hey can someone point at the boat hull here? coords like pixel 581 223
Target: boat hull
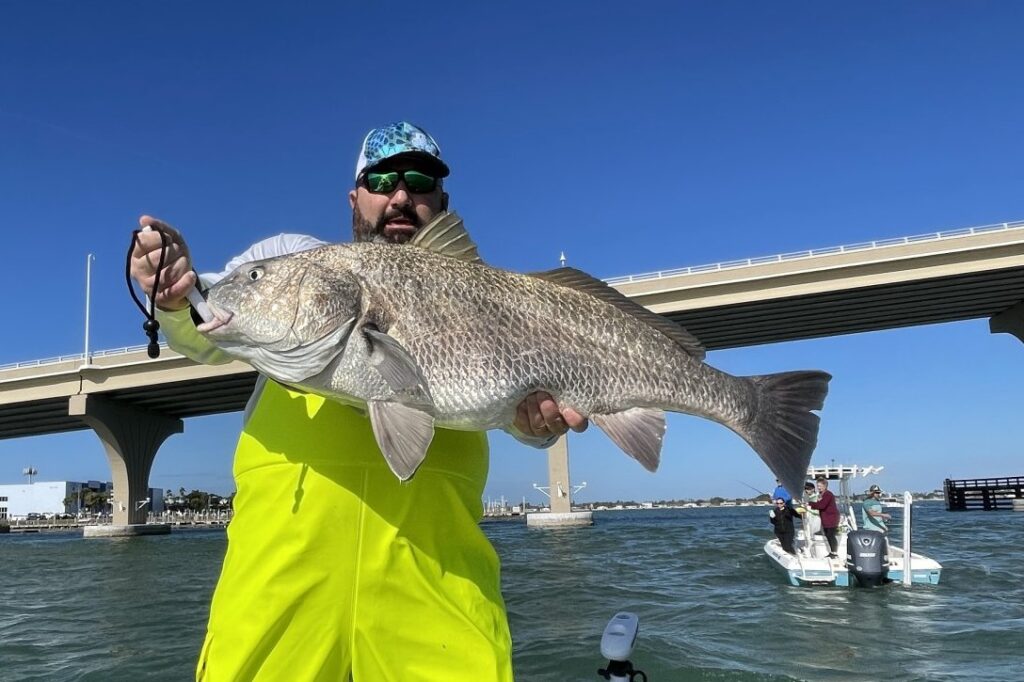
pixel 818 570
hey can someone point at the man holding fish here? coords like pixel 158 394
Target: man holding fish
pixel 335 567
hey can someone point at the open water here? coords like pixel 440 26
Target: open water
pixel 710 606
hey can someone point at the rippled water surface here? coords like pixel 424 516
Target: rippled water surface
pixel 710 606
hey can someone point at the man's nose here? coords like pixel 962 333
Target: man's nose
pixel 400 196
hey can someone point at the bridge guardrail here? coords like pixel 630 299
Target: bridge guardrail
pixel 77 356
pixel 825 251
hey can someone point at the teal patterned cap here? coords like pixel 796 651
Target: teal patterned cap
pixel 397 139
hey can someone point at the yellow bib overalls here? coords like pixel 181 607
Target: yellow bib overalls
pixel 336 570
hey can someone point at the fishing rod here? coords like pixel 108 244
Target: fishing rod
pixel 753 488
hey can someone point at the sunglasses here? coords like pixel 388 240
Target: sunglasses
pixel 386 183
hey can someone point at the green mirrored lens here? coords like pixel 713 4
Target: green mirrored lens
pixel 418 182
pixel 382 182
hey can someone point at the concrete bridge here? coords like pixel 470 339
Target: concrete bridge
pixel 134 403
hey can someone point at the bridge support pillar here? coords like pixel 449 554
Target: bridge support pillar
pixel 1010 321
pixel 131 437
pixel 558 477
pixel 560 492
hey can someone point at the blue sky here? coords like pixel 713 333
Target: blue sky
pixel 635 137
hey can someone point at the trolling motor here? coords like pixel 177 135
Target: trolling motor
pixel 617 644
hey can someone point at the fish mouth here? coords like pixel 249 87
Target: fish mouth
pixel 220 319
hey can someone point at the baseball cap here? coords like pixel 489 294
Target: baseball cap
pixel 399 139
pixel 874 489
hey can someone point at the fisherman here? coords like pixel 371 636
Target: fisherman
pixel 782 516
pixel 826 504
pixel 872 516
pixel 335 569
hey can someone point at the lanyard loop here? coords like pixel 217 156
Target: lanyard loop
pixel 150 326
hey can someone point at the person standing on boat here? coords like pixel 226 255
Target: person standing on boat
pixel 872 516
pixel 782 516
pixel 781 492
pixel 826 504
pixel 812 517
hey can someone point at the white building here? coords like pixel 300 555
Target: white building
pixel 41 497
pixel 47 497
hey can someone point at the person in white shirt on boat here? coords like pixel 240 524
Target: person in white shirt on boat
pixel 812 517
pixel 872 516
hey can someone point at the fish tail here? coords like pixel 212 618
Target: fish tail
pixel 784 429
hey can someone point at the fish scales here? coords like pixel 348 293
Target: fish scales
pixel 486 338
pixel 424 334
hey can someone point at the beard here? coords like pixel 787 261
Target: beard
pixel 365 230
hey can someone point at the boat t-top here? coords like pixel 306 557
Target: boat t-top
pixel 863 557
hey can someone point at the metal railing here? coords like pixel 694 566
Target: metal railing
pixel 811 253
pixel 77 356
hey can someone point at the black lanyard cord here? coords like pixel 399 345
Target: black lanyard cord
pixel 150 326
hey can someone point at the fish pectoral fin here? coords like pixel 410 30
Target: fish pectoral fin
pixel 403 435
pixel 637 431
pixel 399 370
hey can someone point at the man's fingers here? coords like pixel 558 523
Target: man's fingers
pixel 175 287
pixel 539 415
pixel 575 420
pixel 175 296
pixel 553 422
pixel 537 424
pixel 527 416
pixel 522 422
pixel 151 222
pixel 173 273
pixel 149 242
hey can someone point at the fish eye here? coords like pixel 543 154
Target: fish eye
pixel 255 274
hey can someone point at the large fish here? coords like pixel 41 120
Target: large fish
pixel 424 334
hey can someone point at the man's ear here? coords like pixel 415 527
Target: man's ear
pixel 444 201
pixel 352 199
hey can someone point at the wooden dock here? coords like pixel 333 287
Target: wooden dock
pixel 985 494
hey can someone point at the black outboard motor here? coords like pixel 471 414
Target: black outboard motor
pixel 867 557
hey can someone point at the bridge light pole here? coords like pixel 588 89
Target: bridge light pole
pixel 86 358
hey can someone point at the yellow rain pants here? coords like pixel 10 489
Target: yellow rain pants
pixel 336 570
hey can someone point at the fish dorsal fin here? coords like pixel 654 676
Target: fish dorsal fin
pixel 446 234
pixel 581 281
